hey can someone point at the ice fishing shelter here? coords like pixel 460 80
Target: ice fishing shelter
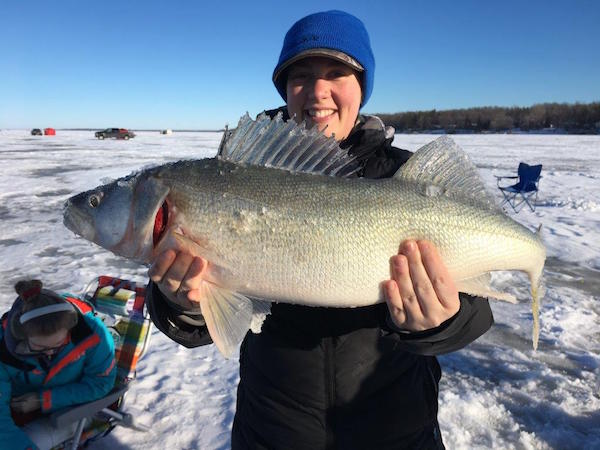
pixel 49 132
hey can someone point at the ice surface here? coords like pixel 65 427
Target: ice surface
pixel 496 393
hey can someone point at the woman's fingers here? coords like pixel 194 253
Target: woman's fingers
pixel 194 278
pixel 420 287
pixel 421 294
pixel 179 276
pixel 161 265
pixel 394 302
pixel 401 275
pixel 440 278
pixel 174 277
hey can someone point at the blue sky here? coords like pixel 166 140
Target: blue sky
pixel 199 65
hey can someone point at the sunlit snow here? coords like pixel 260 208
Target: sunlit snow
pixel 496 393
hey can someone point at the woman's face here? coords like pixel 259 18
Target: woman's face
pixel 325 92
pixel 48 344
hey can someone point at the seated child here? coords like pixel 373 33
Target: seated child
pixel 54 352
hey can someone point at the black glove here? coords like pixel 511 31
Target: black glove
pixel 186 327
pixel 26 403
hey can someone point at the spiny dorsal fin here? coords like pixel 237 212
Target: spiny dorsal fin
pixel 443 168
pixel 285 145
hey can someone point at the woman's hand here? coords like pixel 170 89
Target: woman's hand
pixel 26 403
pixel 421 294
pixel 179 276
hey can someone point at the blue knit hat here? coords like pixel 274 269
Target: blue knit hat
pixel 334 34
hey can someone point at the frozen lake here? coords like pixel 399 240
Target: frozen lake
pixel 496 393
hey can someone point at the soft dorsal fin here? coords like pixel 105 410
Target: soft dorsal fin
pixel 443 168
pixel 285 145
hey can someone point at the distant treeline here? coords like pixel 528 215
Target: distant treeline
pixel 559 117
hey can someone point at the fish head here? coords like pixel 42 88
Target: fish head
pixel 119 216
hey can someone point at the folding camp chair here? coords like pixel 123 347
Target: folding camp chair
pixel 525 191
pixel 120 303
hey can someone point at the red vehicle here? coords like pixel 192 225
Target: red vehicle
pixel 49 131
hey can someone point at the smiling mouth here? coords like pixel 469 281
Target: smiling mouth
pixel 319 113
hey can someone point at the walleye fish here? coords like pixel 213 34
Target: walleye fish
pixel 280 217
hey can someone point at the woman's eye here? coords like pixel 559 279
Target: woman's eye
pixel 298 76
pixel 337 74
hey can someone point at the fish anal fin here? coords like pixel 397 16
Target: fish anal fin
pixel 480 286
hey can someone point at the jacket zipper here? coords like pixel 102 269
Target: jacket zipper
pixel 330 393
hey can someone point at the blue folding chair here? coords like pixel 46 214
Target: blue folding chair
pixel 525 191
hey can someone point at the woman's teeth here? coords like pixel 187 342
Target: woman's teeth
pixel 320 112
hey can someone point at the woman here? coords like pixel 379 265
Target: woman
pixel 318 378
pixel 54 352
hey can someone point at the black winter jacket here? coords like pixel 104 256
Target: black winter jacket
pixel 343 378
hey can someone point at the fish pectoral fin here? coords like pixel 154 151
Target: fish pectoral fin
pixel 229 315
pixel 480 286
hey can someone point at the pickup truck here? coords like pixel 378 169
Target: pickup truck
pixel 117 133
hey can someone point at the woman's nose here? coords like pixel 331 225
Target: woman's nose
pixel 320 88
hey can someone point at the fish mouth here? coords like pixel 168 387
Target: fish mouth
pixel 77 221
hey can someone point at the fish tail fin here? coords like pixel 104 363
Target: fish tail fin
pixel 537 291
pixel 229 315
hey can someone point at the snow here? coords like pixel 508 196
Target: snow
pixel 497 392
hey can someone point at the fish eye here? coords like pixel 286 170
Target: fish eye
pixel 94 200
